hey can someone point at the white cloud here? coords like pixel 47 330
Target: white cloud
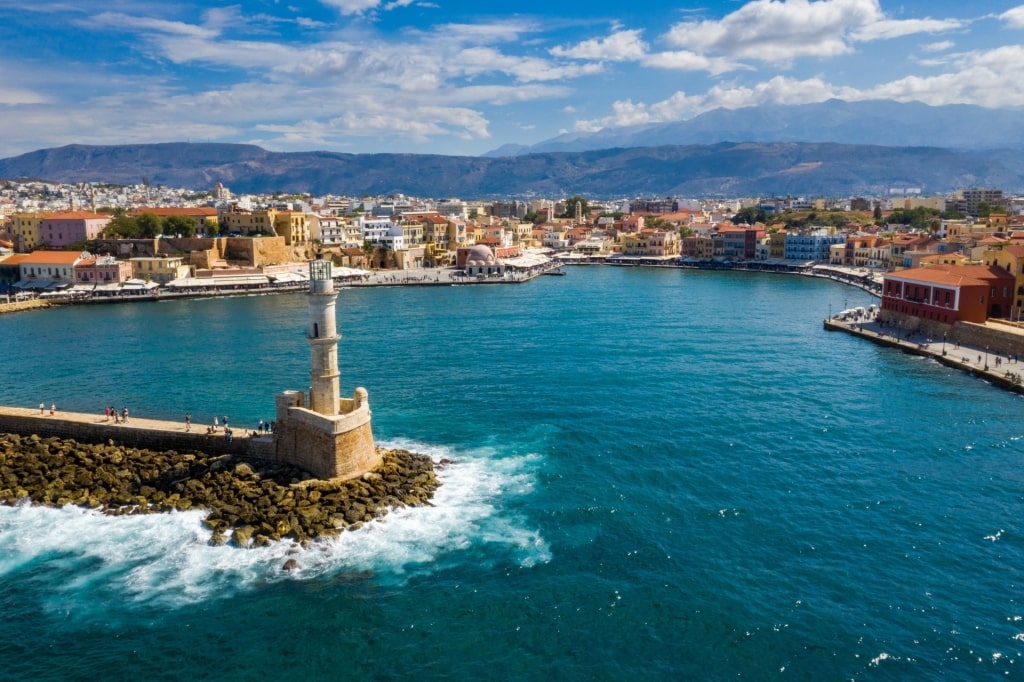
pixel 780 31
pixel 1014 18
pixel 988 79
pixel 940 46
pixel 684 60
pixel 618 47
pixel 162 26
pixel 773 31
pixel 349 7
pixel 896 28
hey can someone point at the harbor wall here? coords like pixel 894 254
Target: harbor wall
pixel 129 435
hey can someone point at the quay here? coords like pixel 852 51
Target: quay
pixel 992 352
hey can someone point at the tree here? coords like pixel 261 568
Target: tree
pixel 180 225
pixel 749 216
pixel 149 224
pixel 877 213
pixel 121 226
pixel 570 207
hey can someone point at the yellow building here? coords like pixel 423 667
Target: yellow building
pixel 25 228
pixel 1011 259
pixel 162 270
pixel 292 225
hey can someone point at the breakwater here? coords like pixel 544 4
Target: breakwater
pixel 149 466
pixel 20 306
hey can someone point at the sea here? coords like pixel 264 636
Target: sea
pixel 655 473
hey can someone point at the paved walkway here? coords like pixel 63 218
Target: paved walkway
pixel 133 423
pixel 1007 372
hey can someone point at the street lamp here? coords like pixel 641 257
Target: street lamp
pixel 986 357
pixel 943 344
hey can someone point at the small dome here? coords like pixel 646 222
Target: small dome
pixel 481 254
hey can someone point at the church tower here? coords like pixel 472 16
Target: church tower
pixel 327 435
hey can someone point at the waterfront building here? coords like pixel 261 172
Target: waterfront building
pixel 10 271
pixel 947 294
pixel 48 269
pixel 157 269
pixel 1010 257
pixel 102 270
pixel 813 246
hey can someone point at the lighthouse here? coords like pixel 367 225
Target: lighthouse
pixel 323 433
pixel 325 386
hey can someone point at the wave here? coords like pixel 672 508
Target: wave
pixel 166 558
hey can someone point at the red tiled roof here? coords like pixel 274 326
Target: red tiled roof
pixel 951 275
pixel 52 257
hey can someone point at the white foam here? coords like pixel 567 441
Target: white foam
pixel 166 558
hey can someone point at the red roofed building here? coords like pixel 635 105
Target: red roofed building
pixel 949 293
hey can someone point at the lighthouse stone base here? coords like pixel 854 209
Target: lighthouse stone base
pixel 328 446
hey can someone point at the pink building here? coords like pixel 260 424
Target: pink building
pixel 69 227
pixel 102 270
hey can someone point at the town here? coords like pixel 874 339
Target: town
pixel 934 260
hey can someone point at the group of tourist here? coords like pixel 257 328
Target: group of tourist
pixel 111 411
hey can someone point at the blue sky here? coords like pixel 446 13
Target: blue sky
pixel 433 76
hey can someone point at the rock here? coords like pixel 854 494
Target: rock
pixel 247 503
pixel 290 565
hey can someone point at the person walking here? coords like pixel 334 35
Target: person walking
pixel 124 414
pixel 42 408
pixel 188 421
pixel 215 423
pixel 53 408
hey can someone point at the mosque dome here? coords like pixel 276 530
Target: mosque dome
pixel 481 254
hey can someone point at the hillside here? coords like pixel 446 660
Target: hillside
pixel 724 169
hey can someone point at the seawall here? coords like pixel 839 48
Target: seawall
pixel 983 362
pixel 149 434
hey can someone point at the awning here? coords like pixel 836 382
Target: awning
pixel 288 277
pixel 211 282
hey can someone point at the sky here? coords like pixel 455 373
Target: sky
pixel 463 78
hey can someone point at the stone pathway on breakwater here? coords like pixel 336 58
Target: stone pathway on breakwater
pixel 998 369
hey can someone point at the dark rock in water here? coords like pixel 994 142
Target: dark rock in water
pixel 248 503
pixel 290 565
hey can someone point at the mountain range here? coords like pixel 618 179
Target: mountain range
pixel 877 122
pixel 645 161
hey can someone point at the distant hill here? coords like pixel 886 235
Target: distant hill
pixel 724 169
pixel 880 122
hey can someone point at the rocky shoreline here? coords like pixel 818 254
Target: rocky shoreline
pixel 248 504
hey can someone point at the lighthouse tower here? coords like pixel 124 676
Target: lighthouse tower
pixel 328 435
pixel 323 339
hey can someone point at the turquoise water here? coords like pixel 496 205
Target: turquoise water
pixel 659 473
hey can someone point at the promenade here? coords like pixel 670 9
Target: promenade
pixel 998 369
pixel 138 432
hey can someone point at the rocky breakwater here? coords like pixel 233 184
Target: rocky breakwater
pixel 19 306
pixel 247 503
